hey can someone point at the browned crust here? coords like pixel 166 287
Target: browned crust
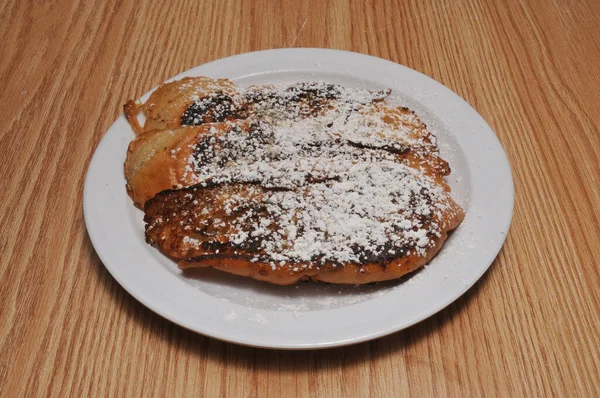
pixel 342 274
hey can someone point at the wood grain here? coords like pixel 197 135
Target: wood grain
pixel 528 328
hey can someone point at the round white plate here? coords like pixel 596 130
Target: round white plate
pixel 311 315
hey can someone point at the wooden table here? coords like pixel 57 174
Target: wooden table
pixel 529 327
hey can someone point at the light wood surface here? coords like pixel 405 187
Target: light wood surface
pixel 529 327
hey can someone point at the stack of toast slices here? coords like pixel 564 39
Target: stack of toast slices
pixel 291 182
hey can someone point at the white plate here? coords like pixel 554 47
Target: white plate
pixel 308 315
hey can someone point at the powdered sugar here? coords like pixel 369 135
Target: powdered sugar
pixel 359 218
pixel 333 184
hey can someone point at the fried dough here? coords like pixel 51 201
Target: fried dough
pixel 287 183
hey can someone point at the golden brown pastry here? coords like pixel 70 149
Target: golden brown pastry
pixel 191 101
pixel 163 159
pixel 282 236
pixel 309 180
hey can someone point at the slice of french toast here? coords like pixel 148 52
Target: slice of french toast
pixel 372 223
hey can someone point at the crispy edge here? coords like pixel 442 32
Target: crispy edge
pixel 132 110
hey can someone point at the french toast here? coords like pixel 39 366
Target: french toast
pixel 304 181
